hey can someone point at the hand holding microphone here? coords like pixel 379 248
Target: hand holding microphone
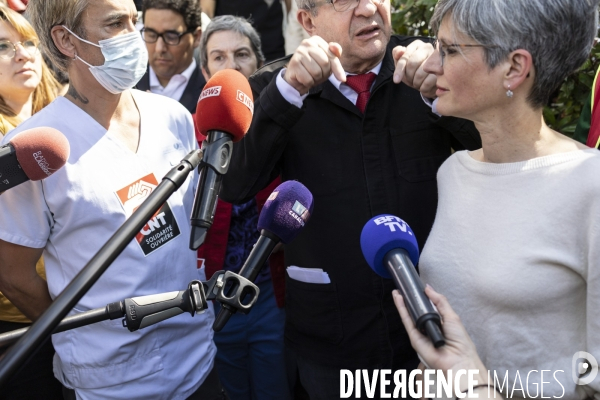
pixel 390 248
pixel 459 351
pixel 282 218
pixel 33 154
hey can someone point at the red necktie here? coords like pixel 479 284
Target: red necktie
pixel 361 84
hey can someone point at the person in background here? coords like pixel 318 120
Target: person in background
pixel 230 42
pixel 250 348
pixel 26 86
pixel 266 17
pixel 21 6
pixel 26 83
pixel 519 263
pixel 172 30
pixel 122 142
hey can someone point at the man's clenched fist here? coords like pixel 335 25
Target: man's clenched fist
pixel 312 64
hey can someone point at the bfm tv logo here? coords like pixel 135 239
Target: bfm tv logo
pixel 584 368
pixel 393 222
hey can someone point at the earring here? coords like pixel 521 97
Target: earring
pixel 509 93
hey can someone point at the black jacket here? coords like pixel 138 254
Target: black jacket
pixel 190 95
pixel 356 167
pixel 265 19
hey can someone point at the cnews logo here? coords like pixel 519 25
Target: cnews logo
pixel 210 92
pixel 245 100
pixel 584 368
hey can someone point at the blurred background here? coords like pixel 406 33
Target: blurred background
pixel 561 114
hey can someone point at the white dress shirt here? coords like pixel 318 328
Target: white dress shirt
pixel 293 96
pixel 176 85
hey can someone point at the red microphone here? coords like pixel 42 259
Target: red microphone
pixel 223 115
pixel 33 154
pixel 18 5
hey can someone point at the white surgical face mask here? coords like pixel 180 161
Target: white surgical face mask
pixel 125 61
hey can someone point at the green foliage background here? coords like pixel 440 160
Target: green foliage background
pixel 411 17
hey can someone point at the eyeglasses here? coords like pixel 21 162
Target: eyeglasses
pixel 345 5
pixel 171 38
pixel 8 49
pixel 451 48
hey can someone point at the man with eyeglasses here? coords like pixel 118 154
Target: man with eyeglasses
pixel 348 116
pixel 172 30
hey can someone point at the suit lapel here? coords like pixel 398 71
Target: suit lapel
pixel 189 98
pixel 387 70
pixel 329 92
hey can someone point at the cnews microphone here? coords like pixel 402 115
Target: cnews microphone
pixel 223 114
pixel 390 248
pixel 282 218
pixel 33 154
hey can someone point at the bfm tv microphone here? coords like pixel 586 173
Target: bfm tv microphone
pixel 33 154
pixel 223 114
pixel 282 218
pixel 390 248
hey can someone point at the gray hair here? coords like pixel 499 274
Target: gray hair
pixel 46 14
pixel 308 5
pixel 231 23
pixel 559 34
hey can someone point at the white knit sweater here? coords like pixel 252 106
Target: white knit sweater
pixel 516 249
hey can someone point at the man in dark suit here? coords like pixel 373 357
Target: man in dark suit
pixel 172 30
pixel 349 116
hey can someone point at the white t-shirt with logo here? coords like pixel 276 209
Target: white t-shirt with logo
pixel 74 212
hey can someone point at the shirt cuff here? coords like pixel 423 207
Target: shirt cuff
pixel 288 92
pixel 432 104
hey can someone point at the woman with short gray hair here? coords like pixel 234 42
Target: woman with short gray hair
pixel 234 24
pixel 514 246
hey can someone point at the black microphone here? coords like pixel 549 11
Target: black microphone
pixel 282 218
pixel 92 271
pixel 390 248
pixel 33 154
pixel 223 114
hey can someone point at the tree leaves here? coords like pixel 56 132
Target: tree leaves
pixel 411 18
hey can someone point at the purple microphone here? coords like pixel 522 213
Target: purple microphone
pixel 282 218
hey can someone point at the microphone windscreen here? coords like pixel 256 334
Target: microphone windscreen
pixel 382 234
pixel 41 151
pixel 286 211
pixel 225 105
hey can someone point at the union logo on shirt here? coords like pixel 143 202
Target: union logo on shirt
pixel 162 227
